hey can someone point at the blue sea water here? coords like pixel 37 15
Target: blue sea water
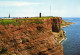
pixel 71 46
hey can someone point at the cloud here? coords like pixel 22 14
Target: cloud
pixel 14 3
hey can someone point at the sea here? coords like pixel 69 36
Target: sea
pixel 71 46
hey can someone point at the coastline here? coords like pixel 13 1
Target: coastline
pixel 66 24
pixel 64 38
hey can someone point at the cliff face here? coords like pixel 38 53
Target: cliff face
pixel 31 38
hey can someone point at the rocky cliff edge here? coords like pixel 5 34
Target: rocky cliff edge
pixel 31 38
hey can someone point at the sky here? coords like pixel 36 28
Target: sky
pixel 32 8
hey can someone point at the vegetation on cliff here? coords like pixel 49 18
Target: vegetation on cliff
pixel 18 22
pixel 65 24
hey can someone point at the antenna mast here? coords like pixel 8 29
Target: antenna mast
pixel 50 7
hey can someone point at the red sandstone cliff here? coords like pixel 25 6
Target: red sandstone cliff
pixel 31 38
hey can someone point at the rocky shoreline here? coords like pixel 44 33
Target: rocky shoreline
pixel 63 26
pixel 63 38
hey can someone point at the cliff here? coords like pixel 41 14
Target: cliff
pixel 32 37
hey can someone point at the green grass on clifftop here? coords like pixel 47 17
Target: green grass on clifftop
pixel 18 22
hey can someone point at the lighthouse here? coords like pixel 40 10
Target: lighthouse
pixel 9 15
pixel 40 14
